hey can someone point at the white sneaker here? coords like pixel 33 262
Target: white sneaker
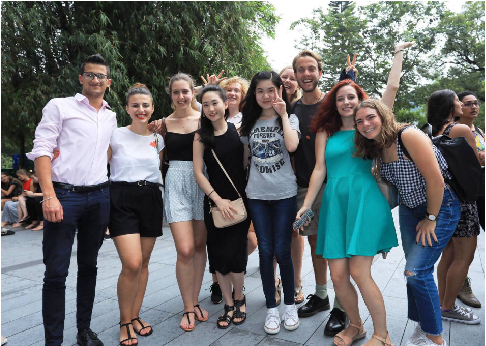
pixel 272 322
pixel 291 318
pixel 417 334
pixel 425 341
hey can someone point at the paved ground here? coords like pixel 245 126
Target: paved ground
pixel 21 318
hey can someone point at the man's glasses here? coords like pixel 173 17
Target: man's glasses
pixel 472 104
pixel 101 77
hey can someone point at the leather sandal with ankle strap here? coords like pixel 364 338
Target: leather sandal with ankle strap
pixel 202 319
pixel 225 317
pixel 129 335
pixel 238 313
pixel 346 339
pixel 188 329
pixel 386 341
pixel 143 327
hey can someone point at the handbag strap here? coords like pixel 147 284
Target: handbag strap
pixel 224 170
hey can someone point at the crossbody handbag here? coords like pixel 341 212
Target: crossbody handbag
pixel 239 216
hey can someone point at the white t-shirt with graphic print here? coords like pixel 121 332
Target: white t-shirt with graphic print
pixel 271 175
pixel 134 157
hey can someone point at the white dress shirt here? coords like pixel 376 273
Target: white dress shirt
pixel 81 134
pixel 236 119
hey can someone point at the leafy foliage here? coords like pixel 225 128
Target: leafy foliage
pixel 449 52
pixel 44 43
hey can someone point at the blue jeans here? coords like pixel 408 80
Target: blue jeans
pixel 273 227
pixel 89 213
pixel 423 297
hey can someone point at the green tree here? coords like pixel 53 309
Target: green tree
pixel 44 43
pixel 449 52
pixel 334 35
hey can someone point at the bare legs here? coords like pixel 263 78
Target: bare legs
pixel 190 242
pixel 359 268
pixel 227 281
pixel 134 252
pixel 453 267
pixel 319 263
pixel 252 240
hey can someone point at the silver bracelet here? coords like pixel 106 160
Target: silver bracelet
pixel 46 199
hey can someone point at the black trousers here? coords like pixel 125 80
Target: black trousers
pixel 34 208
pixel 89 213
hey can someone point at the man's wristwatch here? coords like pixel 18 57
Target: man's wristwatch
pixel 430 216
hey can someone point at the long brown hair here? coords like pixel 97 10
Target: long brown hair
pixel 328 118
pixel 370 148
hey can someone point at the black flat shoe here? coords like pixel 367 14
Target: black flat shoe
pixel 337 322
pixel 87 337
pixel 313 306
pixel 216 294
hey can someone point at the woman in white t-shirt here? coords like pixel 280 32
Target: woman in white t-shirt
pixel 136 207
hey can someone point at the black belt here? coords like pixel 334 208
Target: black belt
pixel 136 183
pixel 80 188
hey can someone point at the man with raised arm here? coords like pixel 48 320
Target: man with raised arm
pixel 76 195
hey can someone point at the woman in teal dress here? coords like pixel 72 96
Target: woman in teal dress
pixel 355 221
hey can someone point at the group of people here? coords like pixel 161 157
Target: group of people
pixel 20 202
pixel 283 147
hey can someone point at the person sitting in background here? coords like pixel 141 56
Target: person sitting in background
pixel 24 177
pixel 11 187
pixel 34 207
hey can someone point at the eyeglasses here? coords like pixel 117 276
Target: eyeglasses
pixel 472 104
pixel 101 77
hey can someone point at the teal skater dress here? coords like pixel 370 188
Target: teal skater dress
pixel 355 219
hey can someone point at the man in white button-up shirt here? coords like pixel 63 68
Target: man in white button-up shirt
pixel 76 195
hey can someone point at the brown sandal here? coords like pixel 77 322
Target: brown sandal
pixel 346 339
pixel 386 341
pixel 189 329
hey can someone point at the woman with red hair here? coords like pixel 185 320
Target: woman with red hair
pixel 349 232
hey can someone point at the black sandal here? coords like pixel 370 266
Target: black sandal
pixel 129 335
pixel 238 313
pixel 189 329
pixel 143 327
pixel 202 319
pixel 225 317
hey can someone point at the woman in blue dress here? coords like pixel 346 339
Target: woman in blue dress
pixel 355 221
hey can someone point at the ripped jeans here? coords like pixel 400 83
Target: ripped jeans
pixel 423 296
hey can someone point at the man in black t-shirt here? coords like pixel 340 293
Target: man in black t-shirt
pixel 307 67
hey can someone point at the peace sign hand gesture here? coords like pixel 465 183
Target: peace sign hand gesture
pixel 351 65
pixel 213 80
pixel 279 104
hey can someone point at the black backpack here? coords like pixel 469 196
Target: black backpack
pixel 463 164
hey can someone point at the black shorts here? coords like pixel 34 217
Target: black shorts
pixel 135 209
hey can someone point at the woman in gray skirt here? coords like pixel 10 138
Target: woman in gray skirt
pixel 183 200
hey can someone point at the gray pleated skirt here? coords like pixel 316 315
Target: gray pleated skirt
pixel 183 198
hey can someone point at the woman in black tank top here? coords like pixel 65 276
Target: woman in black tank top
pixel 183 199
